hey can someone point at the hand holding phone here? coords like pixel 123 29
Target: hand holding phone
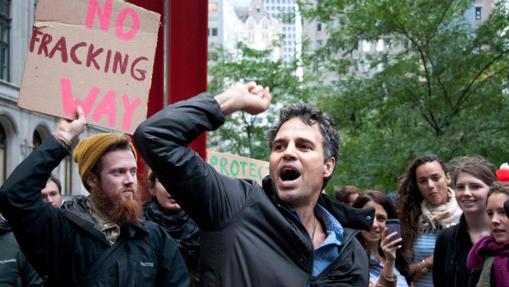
pixel 393 226
pixel 391 243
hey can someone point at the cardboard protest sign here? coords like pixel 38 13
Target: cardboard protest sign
pixel 238 166
pixel 97 54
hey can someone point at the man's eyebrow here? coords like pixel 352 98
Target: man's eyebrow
pixel 306 140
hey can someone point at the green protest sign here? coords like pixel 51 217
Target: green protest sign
pixel 238 166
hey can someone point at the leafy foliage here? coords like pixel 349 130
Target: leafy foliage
pixel 443 87
pixel 243 134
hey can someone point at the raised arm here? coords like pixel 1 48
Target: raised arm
pixel 207 196
pixel 35 223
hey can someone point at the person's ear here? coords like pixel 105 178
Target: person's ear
pixel 92 181
pixel 329 166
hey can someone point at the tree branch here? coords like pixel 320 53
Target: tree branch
pixel 442 17
pixel 466 91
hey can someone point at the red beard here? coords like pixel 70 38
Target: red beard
pixel 117 208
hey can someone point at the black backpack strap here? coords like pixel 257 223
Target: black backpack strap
pixel 108 258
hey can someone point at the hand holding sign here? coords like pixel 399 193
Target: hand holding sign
pixel 95 55
pixel 68 130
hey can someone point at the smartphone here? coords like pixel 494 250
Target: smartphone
pixel 393 226
pixel 506 207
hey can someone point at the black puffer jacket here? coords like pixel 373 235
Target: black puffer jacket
pixel 249 237
pixel 15 270
pixel 64 244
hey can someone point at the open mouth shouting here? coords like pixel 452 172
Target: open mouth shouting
pixel 288 177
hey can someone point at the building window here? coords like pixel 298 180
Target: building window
pixel 318 27
pixel 36 139
pixel 5 35
pixel 212 32
pixel 3 155
pixel 366 46
pixel 478 13
pixel 380 45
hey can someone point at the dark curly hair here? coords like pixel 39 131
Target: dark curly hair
pixel 408 202
pixel 310 115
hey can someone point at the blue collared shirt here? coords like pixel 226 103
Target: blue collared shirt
pixel 328 251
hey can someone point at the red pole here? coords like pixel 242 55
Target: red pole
pixel 186 58
pixel 188 54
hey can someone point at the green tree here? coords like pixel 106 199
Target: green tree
pixel 243 134
pixel 440 85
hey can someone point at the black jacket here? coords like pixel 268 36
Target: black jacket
pixel 181 228
pixel 450 256
pixel 15 270
pixel 64 244
pixel 248 237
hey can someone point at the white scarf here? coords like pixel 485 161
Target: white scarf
pixel 440 217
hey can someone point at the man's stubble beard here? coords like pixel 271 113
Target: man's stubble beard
pixel 117 208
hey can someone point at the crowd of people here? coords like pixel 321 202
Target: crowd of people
pixel 447 226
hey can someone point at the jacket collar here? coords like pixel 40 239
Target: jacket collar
pixel 461 239
pixel 78 212
pixel 349 217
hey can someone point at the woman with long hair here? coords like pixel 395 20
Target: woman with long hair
pixel 472 178
pixel 380 246
pixel 425 206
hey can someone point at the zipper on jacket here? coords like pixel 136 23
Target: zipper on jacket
pixel 307 240
pixel 348 240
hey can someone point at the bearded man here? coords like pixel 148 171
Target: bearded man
pixel 99 240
